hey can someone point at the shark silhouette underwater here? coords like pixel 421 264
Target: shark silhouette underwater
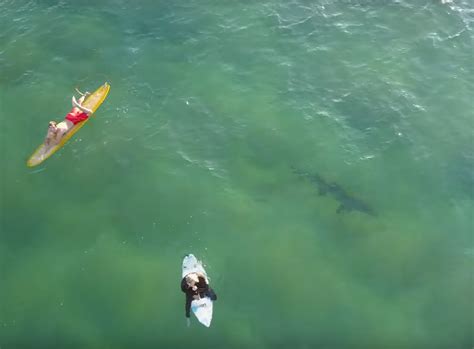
pixel 347 202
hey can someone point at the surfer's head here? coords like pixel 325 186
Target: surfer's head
pixel 52 124
pixel 192 278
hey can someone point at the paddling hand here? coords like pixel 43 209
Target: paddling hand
pixel 188 322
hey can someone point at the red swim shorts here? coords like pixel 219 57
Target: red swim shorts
pixel 76 118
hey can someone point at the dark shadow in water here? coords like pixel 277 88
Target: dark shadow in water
pixel 347 203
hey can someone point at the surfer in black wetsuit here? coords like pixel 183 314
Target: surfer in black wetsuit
pixel 195 286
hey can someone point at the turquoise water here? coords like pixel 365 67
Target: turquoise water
pixel 235 130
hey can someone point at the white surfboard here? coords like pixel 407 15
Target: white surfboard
pixel 201 308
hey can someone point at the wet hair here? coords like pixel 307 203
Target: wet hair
pixel 192 277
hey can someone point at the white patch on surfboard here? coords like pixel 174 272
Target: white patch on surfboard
pixel 201 308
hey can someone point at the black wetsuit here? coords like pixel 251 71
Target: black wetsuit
pixel 203 290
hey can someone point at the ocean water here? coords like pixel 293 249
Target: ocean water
pixel 317 156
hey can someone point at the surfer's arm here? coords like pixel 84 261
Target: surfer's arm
pixel 187 306
pixel 211 294
pixel 184 285
pixel 189 296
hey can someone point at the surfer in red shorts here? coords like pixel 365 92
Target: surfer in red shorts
pixel 78 113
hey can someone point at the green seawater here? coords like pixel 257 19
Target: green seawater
pixel 234 130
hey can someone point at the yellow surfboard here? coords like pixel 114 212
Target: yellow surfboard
pixel 91 102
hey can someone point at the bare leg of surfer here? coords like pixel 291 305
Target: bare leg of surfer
pixel 85 94
pixel 77 104
pixel 81 99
